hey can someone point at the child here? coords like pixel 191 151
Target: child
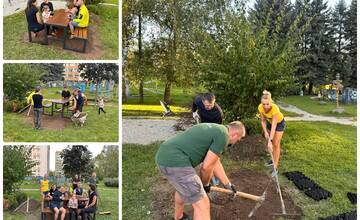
pixel 101 104
pixel 47 4
pixel 72 11
pixel 81 20
pixel 73 205
pixel 46 14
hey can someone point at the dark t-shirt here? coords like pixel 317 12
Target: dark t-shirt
pixel 31 17
pixel 79 99
pixel 215 115
pixel 91 198
pixel 37 98
pixel 49 4
pixel 65 94
pixel 56 198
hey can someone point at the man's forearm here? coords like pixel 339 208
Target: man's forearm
pixel 205 175
pixel 219 172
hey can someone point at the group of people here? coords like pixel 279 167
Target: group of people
pixel 77 13
pixel 202 145
pixel 35 100
pixel 61 197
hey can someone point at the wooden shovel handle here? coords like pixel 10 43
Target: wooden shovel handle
pixel 238 193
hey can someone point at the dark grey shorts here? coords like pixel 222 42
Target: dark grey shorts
pixel 186 182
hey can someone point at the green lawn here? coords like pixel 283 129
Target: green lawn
pixel 15 26
pixel 181 100
pixel 314 107
pixel 307 147
pixel 108 201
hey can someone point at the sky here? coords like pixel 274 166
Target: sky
pixel 95 149
pixel 332 3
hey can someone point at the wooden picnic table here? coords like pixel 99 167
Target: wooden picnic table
pixel 55 102
pixel 60 20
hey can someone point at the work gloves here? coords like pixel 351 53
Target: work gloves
pixel 196 116
pixel 207 188
pixel 231 187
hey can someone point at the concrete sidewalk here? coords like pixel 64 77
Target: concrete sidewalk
pixel 19 5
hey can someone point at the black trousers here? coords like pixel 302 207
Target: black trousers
pixel 73 214
pixel 84 212
pixel 101 109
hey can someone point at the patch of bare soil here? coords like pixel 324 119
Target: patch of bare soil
pixel 185 121
pixel 250 148
pixel 222 208
pixel 93 51
pixel 55 123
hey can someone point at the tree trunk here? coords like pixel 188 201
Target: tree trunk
pixel 141 84
pixel 311 85
pixel 124 97
pixel 141 92
pixel 167 92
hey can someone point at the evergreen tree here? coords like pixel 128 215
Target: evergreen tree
pixel 350 36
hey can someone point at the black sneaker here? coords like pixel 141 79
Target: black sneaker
pixel 269 163
pixel 185 217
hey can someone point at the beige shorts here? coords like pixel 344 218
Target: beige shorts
pixel 186 182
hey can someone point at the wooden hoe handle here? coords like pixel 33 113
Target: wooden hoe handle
pixel 238 193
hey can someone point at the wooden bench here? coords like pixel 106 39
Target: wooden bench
pixel 80 34
pixel 46 106
pixel 45 211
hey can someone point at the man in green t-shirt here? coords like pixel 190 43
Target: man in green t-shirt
pixel 200 144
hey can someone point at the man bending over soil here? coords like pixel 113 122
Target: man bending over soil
pixel 200 144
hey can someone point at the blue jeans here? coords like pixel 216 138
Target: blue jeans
pixel 37 117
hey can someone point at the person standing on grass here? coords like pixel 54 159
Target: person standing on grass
pixel 81 20
pixel 201 144
pixel 93 179
pixel 79 101
pixel 206 110
pixel 38 108
pixel 101 104
pixel 44 186
pixel 30 102
pixel 273 124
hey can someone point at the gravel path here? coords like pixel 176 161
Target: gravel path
pixel 19 5
pixel 147 131
pixel 311 117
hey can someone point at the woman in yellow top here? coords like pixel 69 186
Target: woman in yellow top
pixel 44 186
pixel 273 124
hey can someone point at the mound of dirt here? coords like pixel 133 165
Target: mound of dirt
pixel 184 122
pixel 222 208
pixel 54 123
pixel 93 51
pixel 248 149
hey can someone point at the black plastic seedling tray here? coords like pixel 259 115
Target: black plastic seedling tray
pixel 310 188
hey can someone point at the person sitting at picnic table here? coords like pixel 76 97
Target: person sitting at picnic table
pixel 33 17
pixel 38 108
pixel 55 204
pixel 47 4
pixel 81 20
pixel 78 190
pixel 65 94
pixel 90 206
pixel 73 10
pixel 79 101
pixel 46 14
pixel 52 190
pixel 73 206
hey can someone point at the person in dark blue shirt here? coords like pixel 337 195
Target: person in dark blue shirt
pixel 79 101
pixel 33 17
pixel 206 109
pixel 55 204
pixel 38 108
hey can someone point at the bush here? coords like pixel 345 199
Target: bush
pixel 253 126
pixel 111 182
pixel 20 197
pixel 8 106
pixel 12 200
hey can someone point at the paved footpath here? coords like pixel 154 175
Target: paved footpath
pixel 19 5
pixel 305 116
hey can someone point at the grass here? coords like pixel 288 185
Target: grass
pixel 15 26
pixel 289 114
pixel 307 147
pixel 314 107
pixel 103 128
pixel 181 100
pixel 108 202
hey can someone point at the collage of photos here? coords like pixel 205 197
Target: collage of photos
pixel 179 110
